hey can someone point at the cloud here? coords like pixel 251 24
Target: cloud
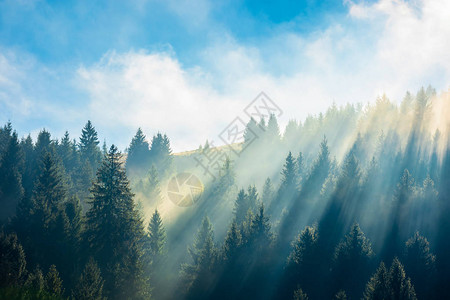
pixel 382 47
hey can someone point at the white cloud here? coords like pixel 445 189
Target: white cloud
pixel 384 47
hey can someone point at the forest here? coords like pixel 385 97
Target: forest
pixel 352 203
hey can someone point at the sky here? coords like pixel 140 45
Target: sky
pixel 188 68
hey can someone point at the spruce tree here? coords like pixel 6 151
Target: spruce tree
pixel 37 218
pixel 199 275
pixel 241 207
pixel 160 154
pixel 400 286
pixel 300 295
pixel 302 265
pixel 156 239
pixel 12 261
pixel 53 283
pixel 11 190
pixel 352 262
pixel 89 149
pixel 114 230
pixel 268 192
pixel 90 283
pixel 233 241
pixel 420 265
pixel 138 154
pixel 378 286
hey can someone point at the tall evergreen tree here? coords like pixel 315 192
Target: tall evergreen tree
pixel 37 218
pixel 352 263
pixel 12 261
pixel 156 238
pixel 89 149
pixel 302 265
pixel 268 192
pixel 420 265
pixel 11 165
pixel 160 154
pixel 90 283
pixel 114 230
pixel 199 275
pixel 241 207
pixel 54 284
pixel 138 154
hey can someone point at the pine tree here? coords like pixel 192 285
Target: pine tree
pixel 300 295
pixel 12 261
pixel 403 192
pixel 420 265
pixel 289 173
pixel 89 149
pixel 268 192
pixel 341 295
pixel 302 265
pixel 114 230
pixel 273 130
pixel 37 218
pixel 400 286
pixel 160 154
pixel 29 163
pixel 232 243
pixel 152 186
pixel 252 197
pixel 138 154
pixel 241 207
pixel 156 238
pixel 352 262
pixel 200 274
pixel 54 284
pixel 251 133
pixel 11 165
pixel 260 233
pixel 390 285
pixel 378 286
pixel 90 283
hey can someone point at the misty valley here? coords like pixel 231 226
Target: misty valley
pixel 351 203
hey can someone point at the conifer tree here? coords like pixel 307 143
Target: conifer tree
pixel 200 274
pixel 152 186
pixel 90 283
pixel 232 243
pixel 289 173
pixel 12 261
pixel 241 207
pixel 11 165
pixel 89 149
pixel 36 222
pixel 300 295
pixel 378 286
pixel 260 232
pixel 29 163
pixel 352 262
pixel 400 286
pixel 420 265
pixel 138 153
pixel 302 265
pixel 114 230
pixel 268 192
pixel 156 238
pixel 341 295
pixel 54 284
pixel 160 154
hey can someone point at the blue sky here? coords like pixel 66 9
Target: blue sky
pixel 189 67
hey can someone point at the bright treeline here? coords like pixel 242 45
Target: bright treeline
pixel 349 204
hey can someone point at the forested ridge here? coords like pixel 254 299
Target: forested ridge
pixel 352 203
